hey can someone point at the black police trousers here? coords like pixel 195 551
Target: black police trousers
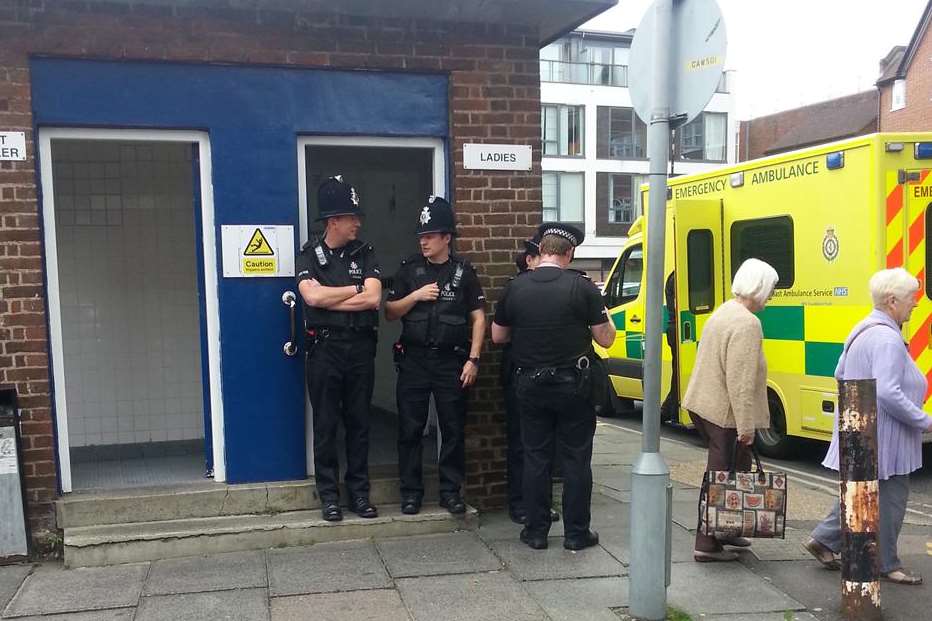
pixel 424 371
pixel 340 372
pixel 514 454
pixel 555 414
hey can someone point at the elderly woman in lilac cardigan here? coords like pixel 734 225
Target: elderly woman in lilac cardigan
pixel 875 349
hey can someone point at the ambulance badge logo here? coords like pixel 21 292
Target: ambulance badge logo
pixel 353 196
pixel 425 215
pixel 830 245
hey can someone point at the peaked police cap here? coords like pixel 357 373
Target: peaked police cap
pixel 436 217
pixel 561 229
pixel 335 197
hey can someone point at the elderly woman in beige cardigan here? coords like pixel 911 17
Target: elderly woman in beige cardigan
pixel 727 393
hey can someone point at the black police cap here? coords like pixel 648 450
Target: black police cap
pixel 532 246
pixel 436 217
pixel 335 197
pixel 561 229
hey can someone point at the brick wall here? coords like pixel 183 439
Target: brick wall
pixel 917 115
pixel 494 97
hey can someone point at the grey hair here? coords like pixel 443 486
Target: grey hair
pixel 896 282
pixel 754 280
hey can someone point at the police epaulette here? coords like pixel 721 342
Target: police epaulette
pixel 412 259
pixel 359 247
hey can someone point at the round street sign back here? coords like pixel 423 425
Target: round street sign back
pixel 697 43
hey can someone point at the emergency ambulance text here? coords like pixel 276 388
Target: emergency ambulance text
pixel 783 173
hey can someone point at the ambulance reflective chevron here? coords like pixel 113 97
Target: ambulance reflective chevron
pixel 826 218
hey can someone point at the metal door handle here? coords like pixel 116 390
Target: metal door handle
pixel 635 319
pixel 291 301
pixel 687 331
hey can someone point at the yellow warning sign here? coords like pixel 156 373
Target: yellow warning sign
pixel 260 266
pixel 258 246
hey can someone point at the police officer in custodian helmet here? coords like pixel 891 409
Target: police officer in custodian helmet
pixel 338 278
pixel 550 316
pixel 440 303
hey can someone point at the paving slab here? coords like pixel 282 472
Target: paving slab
pixel 586 598
pixel 51 589
pixel 721 588
pixel 556 562
pixel 238 605
pixel 492 596
pixel 767 616
pixel 373 605
pixel 326 567
pixel 617 478
pixel 119 614
pixel 218 572
pixel 787 549
pixel 11 577
pixel 449 553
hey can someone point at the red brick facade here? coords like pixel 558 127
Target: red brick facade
pixel 494 97
pixel 917 115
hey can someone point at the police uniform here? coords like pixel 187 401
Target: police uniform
pixel 550 312
pixel 340 358
pixel 430 355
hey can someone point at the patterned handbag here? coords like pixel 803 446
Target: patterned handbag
pixel 743 504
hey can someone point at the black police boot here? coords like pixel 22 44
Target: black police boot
pixel 518 515
pixel 590 539
pixel 454 504
pixel 363 508
pixel 532 541
pixel 410 505
pixel 554 516
pixel 330 510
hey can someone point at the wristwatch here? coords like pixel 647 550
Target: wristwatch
pixel 360 287
pixel 474 360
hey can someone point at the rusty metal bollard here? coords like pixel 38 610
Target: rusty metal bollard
pixel 860 496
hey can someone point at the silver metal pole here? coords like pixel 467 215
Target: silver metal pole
pixel 650 476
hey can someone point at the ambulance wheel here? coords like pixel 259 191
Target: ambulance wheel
pixel 774 442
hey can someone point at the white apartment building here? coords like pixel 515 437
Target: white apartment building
pixel 595 146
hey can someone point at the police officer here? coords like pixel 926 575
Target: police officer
pixel 514 460
pixel 338 278
pixel 440 303
pixel 550 315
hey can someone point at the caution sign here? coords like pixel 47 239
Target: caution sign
pixel 258 250
pixel 258 257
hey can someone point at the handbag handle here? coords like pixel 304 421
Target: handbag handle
pixel 734 458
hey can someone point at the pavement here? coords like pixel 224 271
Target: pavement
pixel 482 575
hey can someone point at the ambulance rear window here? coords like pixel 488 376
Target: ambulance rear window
pixel 767 239
pixel 701 282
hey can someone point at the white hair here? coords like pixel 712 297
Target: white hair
pixel 896 282
pixel 754 280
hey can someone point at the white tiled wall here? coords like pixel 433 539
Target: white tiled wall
pixel 128 280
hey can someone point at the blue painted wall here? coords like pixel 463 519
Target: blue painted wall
pixel 253 116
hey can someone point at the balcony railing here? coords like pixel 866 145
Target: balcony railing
pixel 583 73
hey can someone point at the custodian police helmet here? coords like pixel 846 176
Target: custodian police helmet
pixel 335 197
pixel 436 217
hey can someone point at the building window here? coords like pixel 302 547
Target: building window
pixel 562 130
pixel 575 61
pixel 563 197
pixel 703 138
pixel 899 95
pixel 767 239
pixel 624 198
pixel 621 134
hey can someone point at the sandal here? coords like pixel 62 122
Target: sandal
pixel 900 576
pixel 822 554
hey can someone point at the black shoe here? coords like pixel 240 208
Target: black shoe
pixel 363 508
pixel 454 504
pixel 518 516
pixel 535 543
pixel 331 511
pixel 590 539
pixel 410 505
pixel 554 516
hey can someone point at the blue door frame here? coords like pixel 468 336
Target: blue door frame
pixel 253 116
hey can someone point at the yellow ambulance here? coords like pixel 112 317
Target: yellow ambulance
pixel 826 218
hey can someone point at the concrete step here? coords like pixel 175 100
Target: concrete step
pixel 208 499
pixel 91 546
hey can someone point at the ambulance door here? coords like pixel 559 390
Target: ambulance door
pixel 699 278
pixel 917 194
pixel 624 298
